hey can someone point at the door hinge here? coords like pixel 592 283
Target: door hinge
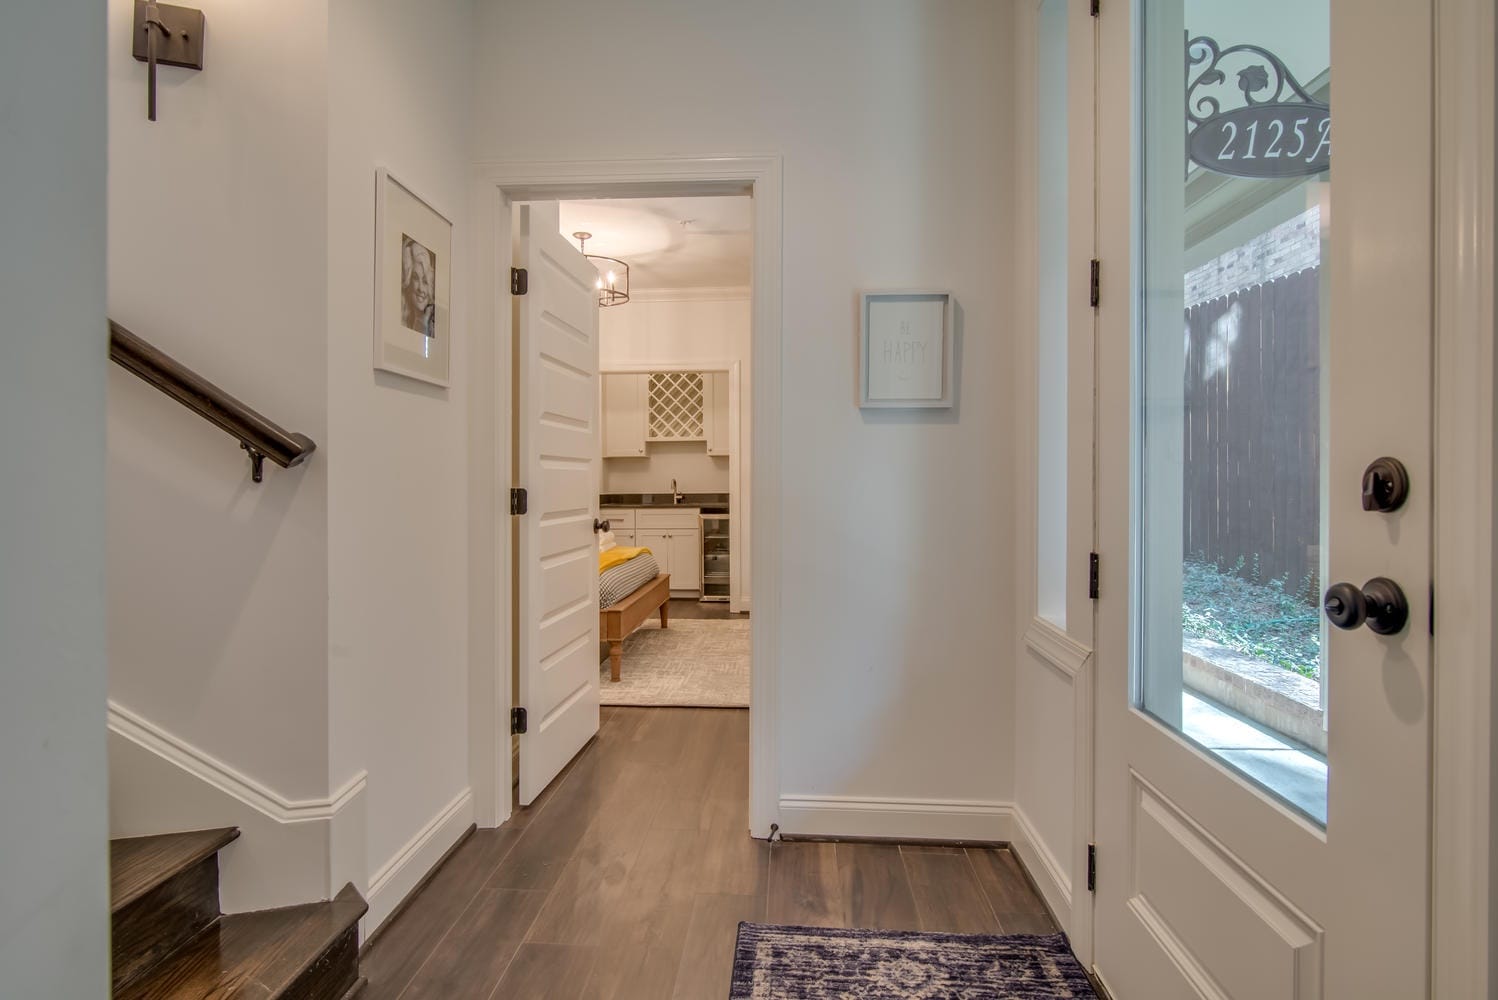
pixel 1097 6
pixel 1096 281
pixel 1092 574
pixel 517 721
pixel 1092 868
pixel 1432 609
pixel 519 501
pixel 520 281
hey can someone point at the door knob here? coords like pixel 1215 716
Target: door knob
pixel 1381 603
pixel 1386 484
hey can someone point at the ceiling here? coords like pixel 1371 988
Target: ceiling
pixel 669 242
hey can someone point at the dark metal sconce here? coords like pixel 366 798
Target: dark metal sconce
pixel 169 35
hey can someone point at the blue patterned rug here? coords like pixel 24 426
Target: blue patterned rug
pixel 819 963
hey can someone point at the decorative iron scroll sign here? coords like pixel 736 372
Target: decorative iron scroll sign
pixel 1281 130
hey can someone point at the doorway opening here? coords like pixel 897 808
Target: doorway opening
pixel 507 192
pixel 670 280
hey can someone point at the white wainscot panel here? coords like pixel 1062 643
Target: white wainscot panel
pixel 1228 931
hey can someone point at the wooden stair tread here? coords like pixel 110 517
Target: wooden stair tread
pixel 251 956
pixel 139 864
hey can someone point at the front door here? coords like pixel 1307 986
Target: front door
pixel 558 460
pixel 1265 332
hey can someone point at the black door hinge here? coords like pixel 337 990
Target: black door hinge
pixel 1097 6
pixel 520 281
pixel 1096 281
pixel 519 501
pixel 1092 868
pixel 1092 574
pixel 1432 609
pixel 517 721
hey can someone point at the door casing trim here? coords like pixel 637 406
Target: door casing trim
pixel 496 186
pixel 1463 655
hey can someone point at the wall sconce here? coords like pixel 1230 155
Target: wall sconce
pixel 169 35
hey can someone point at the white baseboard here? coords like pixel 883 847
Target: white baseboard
pixel 1050 876
pixel 402 872
pixel 899 819
pixel 284 855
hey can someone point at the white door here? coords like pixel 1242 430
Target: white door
pixel 557 451
pixel 1263 778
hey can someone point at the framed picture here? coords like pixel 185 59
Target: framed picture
pixel 413 284
pixel 905 349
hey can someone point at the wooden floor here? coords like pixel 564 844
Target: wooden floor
pixel 629 877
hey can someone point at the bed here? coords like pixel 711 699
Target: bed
pixel 629 591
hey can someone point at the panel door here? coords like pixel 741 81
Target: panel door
pixel 1262 756
pixel 557 453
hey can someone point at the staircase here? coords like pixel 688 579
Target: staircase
pixel 170 940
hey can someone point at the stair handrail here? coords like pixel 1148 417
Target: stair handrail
pixel 261 437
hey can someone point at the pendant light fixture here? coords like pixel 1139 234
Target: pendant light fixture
pixel 613 274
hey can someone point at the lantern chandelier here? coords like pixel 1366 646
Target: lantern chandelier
pixel 613 274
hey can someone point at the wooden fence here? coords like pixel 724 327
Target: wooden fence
pixel 1252 429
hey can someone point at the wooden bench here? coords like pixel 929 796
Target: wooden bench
pixel 619 619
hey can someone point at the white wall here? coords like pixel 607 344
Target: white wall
pixel 687 462
pixel 218 588
pixel 309 634
pixel 400 80
pixel 54 923
pixel 893 121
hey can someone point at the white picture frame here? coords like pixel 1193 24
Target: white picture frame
pixel 905 349
pixel 413 284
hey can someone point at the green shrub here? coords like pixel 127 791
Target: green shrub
pixel 1269 622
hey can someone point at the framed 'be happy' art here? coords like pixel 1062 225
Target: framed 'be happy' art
pixel 413 284
pixel 905 349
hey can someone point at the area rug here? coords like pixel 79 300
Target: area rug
pixel 695 662
pixel 818 963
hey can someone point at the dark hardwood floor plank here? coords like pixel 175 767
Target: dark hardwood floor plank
pixel 472 957
pixel 402 944
pixel 875 888
pixel 547 970
pixel 804 887
pixel 1015 902
pixel 946 893
pixel 707 955
pixel 636 866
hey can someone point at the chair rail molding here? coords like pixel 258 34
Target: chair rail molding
pixel 160 783
pixel 1058 649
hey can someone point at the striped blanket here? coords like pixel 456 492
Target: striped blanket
pixel 618 582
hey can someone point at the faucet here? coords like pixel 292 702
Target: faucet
pixel 676 496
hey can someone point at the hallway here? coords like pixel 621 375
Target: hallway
pixel 629 877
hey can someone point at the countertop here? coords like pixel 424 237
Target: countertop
pixel 709 502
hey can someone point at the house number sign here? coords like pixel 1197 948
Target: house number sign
pixel 1279 131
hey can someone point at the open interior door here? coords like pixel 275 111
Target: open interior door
pixel 558 462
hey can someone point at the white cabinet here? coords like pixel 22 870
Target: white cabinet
pixel 674 537
pixel 624 414
pixel 715 412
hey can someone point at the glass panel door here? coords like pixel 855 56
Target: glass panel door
pixel 715 577
pixel 1231 400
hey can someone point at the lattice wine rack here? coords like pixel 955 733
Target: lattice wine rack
pixel 675 407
